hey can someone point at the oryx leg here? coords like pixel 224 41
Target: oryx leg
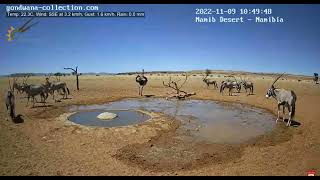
pixel 53 94
pixel 223 89
pixel 44 100
pixel 284 113
pixel 289 120
pixel 28 100
pixel 278 113
pixel 43 97
pixel 65 93
pixel 33 101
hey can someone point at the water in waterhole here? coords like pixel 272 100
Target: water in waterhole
pixel 207 120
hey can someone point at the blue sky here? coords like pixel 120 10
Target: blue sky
pixel 166 39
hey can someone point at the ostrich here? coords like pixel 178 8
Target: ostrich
pixel 315 78
pixel 142 81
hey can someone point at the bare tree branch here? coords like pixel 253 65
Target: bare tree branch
pixel 70 69
pixel 179 94
pixel 184 81
pixel 75 71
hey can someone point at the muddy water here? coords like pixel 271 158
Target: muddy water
pixel 206 120
pixel 124 118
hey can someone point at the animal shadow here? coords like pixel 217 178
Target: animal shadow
pixel 18 119
pixel 293 123
pixel 48 105
pixel 66 98
pixel 149 95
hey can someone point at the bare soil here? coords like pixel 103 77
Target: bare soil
pixel 46 144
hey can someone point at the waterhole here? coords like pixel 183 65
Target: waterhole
pixel 204 119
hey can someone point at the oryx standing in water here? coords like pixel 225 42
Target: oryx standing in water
pixel 10 101
pixel 142 81
pixel 285 98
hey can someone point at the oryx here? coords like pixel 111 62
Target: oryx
pixel 285 98
pixel 142 81
pixel 237 84
pixel 34 90
pixel 51 87
pixel 208 82
pixel 10 101
pixel 17 86
pixel 247 85
pixel 230 85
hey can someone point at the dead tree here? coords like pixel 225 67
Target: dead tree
pixel 178 93
pixel 75 72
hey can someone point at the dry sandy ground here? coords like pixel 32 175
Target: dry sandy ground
pixel 44 144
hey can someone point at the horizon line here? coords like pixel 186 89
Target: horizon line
pixel 161 71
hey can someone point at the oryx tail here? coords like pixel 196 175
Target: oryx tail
pixel 293 105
